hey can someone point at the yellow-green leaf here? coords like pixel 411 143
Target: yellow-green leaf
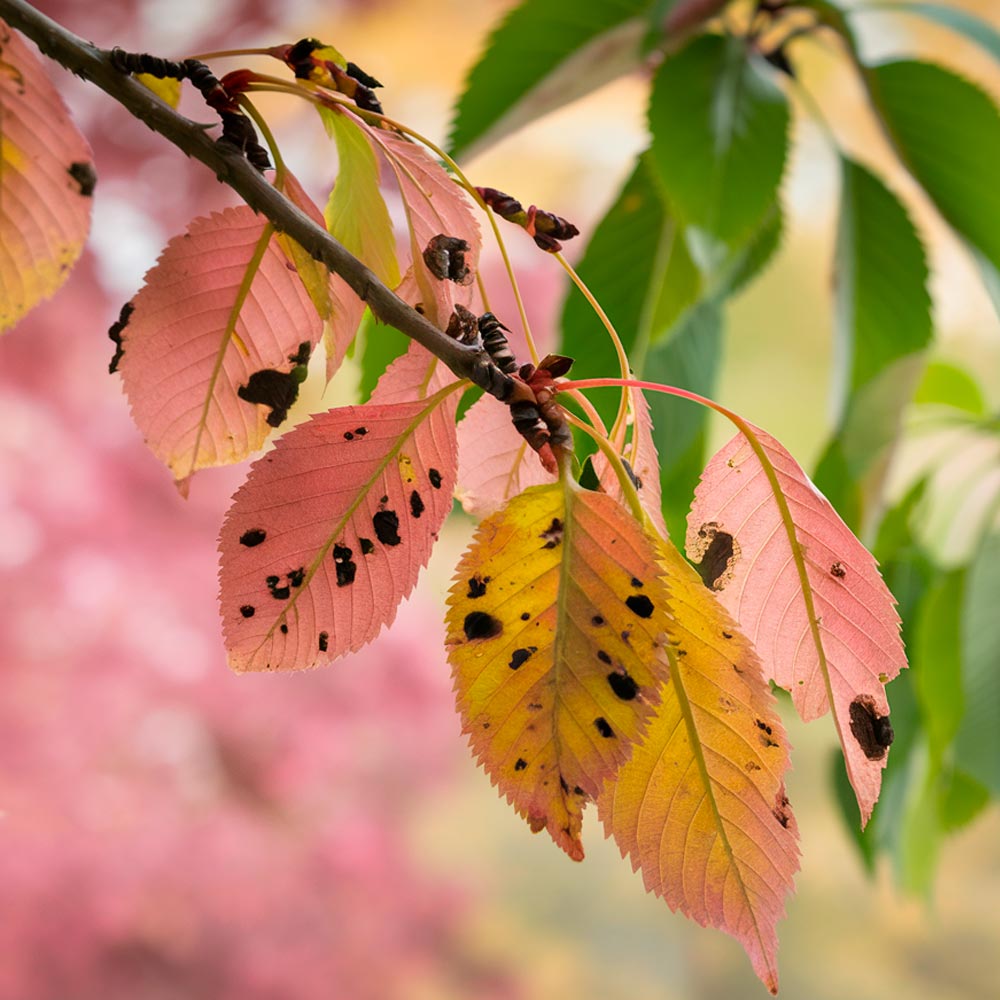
pixel 166 88
pixel 554 626
pixel 700 807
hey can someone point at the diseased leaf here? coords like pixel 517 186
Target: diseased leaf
pixel 46 183
pixel 947 132
pixel 333 298
pixel 544 54
pixel 640 453
pixel 700 807
pixel 806 592
pixel 332 527
pixel 355 212
pixel 720 133
pixel 436 207
pixel 553 635
pixel 495 463
pixel 216 343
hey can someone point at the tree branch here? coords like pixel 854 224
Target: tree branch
pixel 94 65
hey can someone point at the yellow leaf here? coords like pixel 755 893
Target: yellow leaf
pixel 554 626
pixel 167 89
pixel 700 807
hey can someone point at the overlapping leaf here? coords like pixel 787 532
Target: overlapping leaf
pixel 805 591
pixel 219 323
pixel 333 298
pixel 46 183
pixel 435 206
pixel 545 53
pixel 495 463
pixel 332 527
pixel 700 807
pixel 554 626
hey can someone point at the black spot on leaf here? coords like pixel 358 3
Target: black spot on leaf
pixel 346 569
pixel 248 610
pixel 284 628
pixel 416 504
pixel 525 616
pixel 597 620
pixel 727 635
pixel 435 477
pixel 477 586
pixel 623 685
pixel 85 175
pixel 603 728
pixel 278 592
pixel 719 553
pixel 324 641
pixel 348 436
pixel 361 431
pixel 386 525
pixel 480 625
pixel 520 656
pixel 872 731
pixel 780 811
pixel 520 764
pixel 115 333
pixel 640 604
pixel 603 657
pixel 367 546
pixel 552 534
pixel 296 576
pixel 837 570
pixel 253 537
pixel 636 582
pixel 274 389
pixel 763 726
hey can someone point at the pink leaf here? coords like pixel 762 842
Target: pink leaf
pixel 806 592
pixel 640 452
pixel 435 206
pixel 333 298
pixel 191 344
pixel 495 463
pixel 46 183
pixel 332 527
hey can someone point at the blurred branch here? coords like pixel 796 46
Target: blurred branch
pixel 94 64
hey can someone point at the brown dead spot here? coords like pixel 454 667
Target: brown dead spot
pixel 85 176
pixel 477 586
pixel 872 731
pixel 715 553
pixel 781 812
pixel 552 534
pixel 763 726
pixel 727 705
pixel 751 765
pixel 520 764
pixel 837 570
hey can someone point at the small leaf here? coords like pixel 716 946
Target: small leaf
pixel 219 316
pixel 166 88
pixel 701 807
pixel 495 463
pixel 805 590
pixel 543 55
pixel 720 134
pixel 330 530
pixel 333 298
pixel 355 212
pixel 947 132
pixel 46 183
pixel 554 622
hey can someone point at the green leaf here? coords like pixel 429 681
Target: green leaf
pixel 380 346
pixel 947 132
pixel 963 22
pixel 961 800
pixel 720 135
pixel 544 54
pixel 355 212
pixel 642 300
pixel 977 745
pixel 937 661
pixel 690 359
pixel 945 384
pixel 882 321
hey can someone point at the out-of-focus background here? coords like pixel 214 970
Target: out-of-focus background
pixel 169 830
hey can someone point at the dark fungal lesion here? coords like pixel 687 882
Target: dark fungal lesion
pixel 386 525
pixel 521 656
pixel 284 628
pixel 873 732
pixel 597 620
pixel 277 591
pixel 837 570
pixel 324 641
pixel 640 605
pixel 367 546
pixel 252 537
pixel 520 764
pixel 346 568
pixel 602 726
pixel 480 625
pixel 115 332
pixel 248 610
pixel 416 504
pixel 552 534
pixel 716 553
pixel 603 657
pixel 276 389
pixel 623 685
pixel 477 586
pixel 85 176
pixel 445 258
pixel 435 477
